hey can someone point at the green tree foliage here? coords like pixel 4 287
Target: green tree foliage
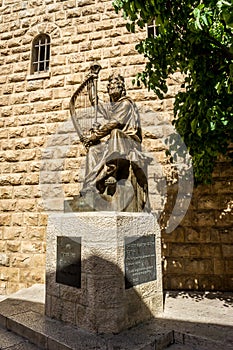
pixel 195 37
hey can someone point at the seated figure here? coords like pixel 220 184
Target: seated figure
pixel 116 168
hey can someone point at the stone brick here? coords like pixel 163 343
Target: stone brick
pixel 19 168
pixel 10 121
pixel 48 106
pixel 33 109
pixel 204 218
pixel 21 110
pixel 16 77
pixel 6 168
pixel 182 282
pixel 34 85
pixel 61 93
pixel 4 134
pixel 43 219
pixel 4 101
pixel 8 89
pixel 219 266
pixel 223 219
pixel 22 144
pixel 23 192
pixel 27 204
pixel 21 261
pixel 211 250
pixel 2 246
pixel 229 266
pixel 17 219
pixel 208 202
pixel 31 247
pixel 13 246
pixel 211 282
pixel 32 276
pixel 40 95
pixel 29 154
pixel 4 260
pixel 174 266
pixel 15 179
pixel 31 219
pixel 13 233
pixel 11 156
pixel 13 287
pixel 11 274
pixel 198 266
pixel 7 205
pixel 6 192
pixel 36 233
pixel 16 132
pixel 225 235
pixel 227 250
pixel 5 219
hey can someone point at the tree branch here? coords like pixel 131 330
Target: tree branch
pixel 224 49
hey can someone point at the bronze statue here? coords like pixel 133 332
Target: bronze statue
pixel 116 168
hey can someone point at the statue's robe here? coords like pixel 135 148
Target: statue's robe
pixel 120 155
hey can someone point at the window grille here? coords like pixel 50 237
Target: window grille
pixel 152 29
pixel 40 54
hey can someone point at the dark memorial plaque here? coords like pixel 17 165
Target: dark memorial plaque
pixel 69 261
pixel 140 260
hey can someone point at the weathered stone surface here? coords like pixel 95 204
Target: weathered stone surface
pixel 102 303
pixel 33 109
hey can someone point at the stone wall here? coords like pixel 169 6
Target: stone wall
pixel 199 253
pixel 35 109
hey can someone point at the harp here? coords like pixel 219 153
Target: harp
pixel 83 104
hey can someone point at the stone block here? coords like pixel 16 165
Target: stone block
pixel 11 275
pixel 198 266
pixel 227 250
pixel 13 233
pixel 32 276
pixel 211 250
pixel 13 246
pixel 4 260
pixel 175 266
pixel 6 192
pixel 103 303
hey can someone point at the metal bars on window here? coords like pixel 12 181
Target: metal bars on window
pixel 41 53
pixel 152 29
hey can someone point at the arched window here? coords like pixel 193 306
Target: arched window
pixel 40 54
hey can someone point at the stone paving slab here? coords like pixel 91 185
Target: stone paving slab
pixel 199 342
pixel 27 319
pixel 207 315
pixel 190 321
pixel 9 340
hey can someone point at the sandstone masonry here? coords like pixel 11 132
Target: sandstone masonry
pixel 198 254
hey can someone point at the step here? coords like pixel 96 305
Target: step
pixel 12 341
pixel 26 319
pixel 184 341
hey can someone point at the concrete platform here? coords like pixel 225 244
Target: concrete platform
pixel 190 321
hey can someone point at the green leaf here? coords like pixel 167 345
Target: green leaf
pixel 195 38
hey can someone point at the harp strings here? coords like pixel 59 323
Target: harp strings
pixel 84 110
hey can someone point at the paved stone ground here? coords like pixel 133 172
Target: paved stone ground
pixel 11 341
pixel 200 321
pixel 206 319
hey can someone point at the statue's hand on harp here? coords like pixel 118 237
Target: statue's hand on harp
pixel 90 141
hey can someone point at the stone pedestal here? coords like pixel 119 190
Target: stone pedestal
pixel 103 269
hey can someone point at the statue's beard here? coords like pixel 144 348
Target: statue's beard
pixel 115 95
